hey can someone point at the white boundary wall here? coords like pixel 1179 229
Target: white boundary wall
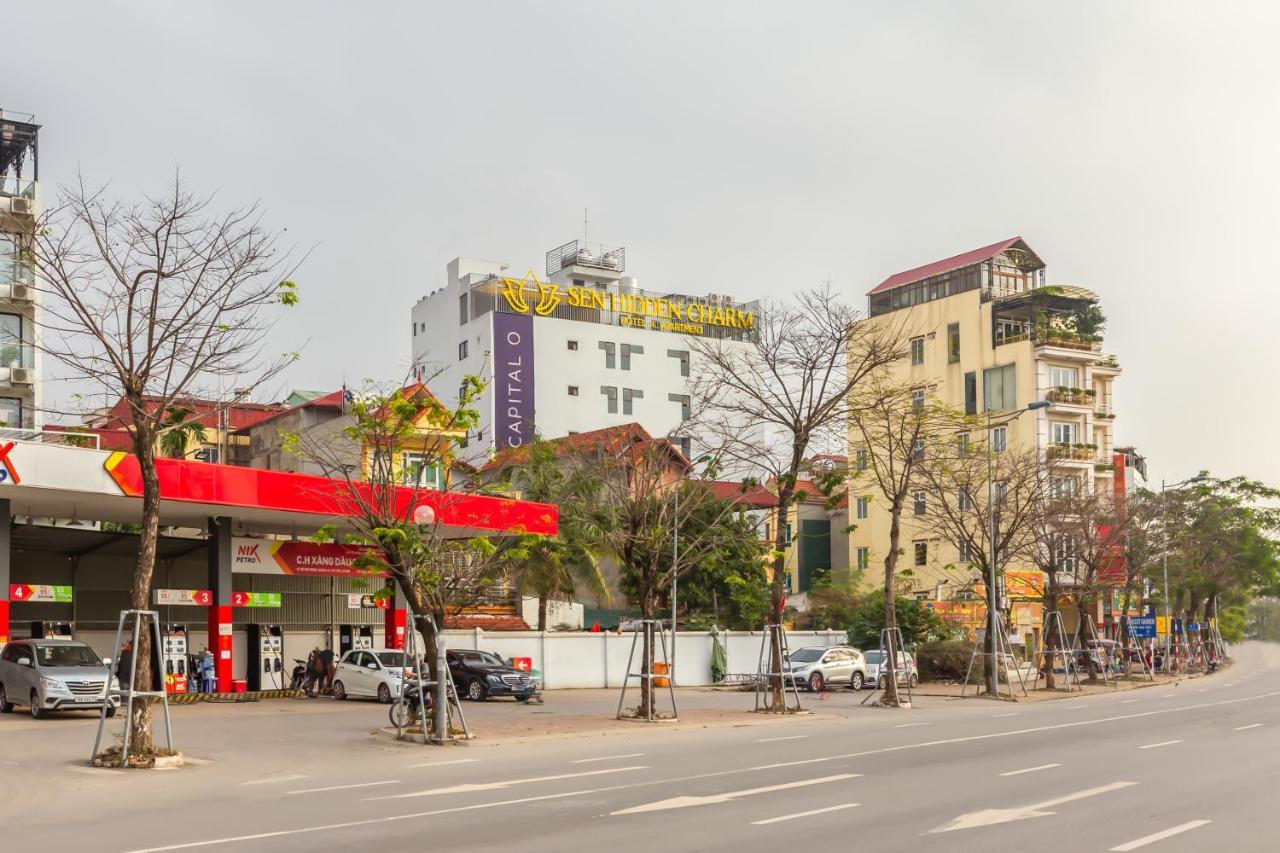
pixel 583 659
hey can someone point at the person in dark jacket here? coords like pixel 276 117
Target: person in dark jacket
pixel 124 666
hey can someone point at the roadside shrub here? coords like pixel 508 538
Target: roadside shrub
pixel 945 660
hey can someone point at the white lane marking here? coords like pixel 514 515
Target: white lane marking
pixel 233 839
pixel 1203 690
pixel 715 799
pixel 1161 743
pixel 1168 695
pixel 911 725
pixel 1128 701
pixel 271 780
pixel 990 817
pixel 1076 707
pixel 1246 728
pixel 471 787
pixel 1030 769
pixel 607 758
pixel 1014 714
pixel 443 763
pixel 1158 836
pixel 342 787
pixel 797 815
pixel 775 739
pixel 696 776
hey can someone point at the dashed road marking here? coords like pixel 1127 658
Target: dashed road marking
pixel 809 813
pixel 1161 743
pixel 1030 769
pixel 1158 836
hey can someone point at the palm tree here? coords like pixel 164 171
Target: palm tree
pixel 557 567
pixel 177 431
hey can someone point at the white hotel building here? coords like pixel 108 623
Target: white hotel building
pixel 581 349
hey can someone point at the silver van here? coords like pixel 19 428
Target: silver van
pixel 54 675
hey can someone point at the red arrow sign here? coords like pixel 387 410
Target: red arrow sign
pixel 239 599
pixel 19 592
pixel 203 597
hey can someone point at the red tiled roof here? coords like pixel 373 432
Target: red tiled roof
pixel 486 622
pixel 108 439
pixel 946 265
pixel 607 439
pixel 754 496
pixel 239 415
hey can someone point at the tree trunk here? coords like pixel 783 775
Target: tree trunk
pixel 648 605
pixel 889 666
pixel 778 597
pixel 140 738
pixel 542 613
pixel 1050 635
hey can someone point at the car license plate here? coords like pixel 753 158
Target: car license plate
pixel 86 699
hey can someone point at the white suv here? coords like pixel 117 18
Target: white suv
pixel 877 675
pixel 55 675
pixel 819 667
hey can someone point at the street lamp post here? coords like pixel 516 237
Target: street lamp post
pixel 675 560
pixel 993 597
pixel 1164 559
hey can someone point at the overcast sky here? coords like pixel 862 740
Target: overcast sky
pixel 752 149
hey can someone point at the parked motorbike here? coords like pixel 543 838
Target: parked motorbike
pixel 407 711
pixel 298 678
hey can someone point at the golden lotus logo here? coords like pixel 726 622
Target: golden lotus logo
pixel 548 294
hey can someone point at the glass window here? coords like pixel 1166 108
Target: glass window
pixel 11 354
pixel 999 439
pixel 963 548
pixel 1001 491
pixel 918 503
pixel 629 394
pixel 65 654
pixel 462 351
pixel 573 390
pixel 1065 487
pixel 462 309
pixel 629 350
pixel 611 398
pixel 860 460
pixel 917 450
pixel 953 343
pixel 921 549
pixel 417 469
pixel 863 507
pixel 917 399
pixel 610 354
pixel 683 356
pixel 962 443
pixel 1064 432
pixel 1064 377
pixel 971 393
pixel 917 350
pixel 963 501
pixel 10 412
pixel 864 558
pixel 999 389
pixel 573 346
pixel 684 401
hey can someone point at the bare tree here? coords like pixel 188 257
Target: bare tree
pixel 154 302
pixel 893 428
pixel 983 501
pixel 784 392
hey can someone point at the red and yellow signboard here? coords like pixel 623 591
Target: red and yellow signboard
pixel 298 557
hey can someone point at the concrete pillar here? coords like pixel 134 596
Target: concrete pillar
pixel 220 562
pixel 6 555
pixel 396 620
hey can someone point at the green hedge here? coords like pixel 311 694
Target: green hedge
pixel 945 660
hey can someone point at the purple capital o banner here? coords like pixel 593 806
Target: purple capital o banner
pixel 513 379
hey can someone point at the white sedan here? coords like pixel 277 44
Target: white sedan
pixel 375 675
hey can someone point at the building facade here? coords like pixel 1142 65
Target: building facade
pixel 582 349
pixel 986 336
pixel 20 397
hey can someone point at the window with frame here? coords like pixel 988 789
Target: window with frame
pixel 1001 491
pixel 999 388
pixel 418 470
pixel 1065 432
pixel 917 399
pixel 917 450
pixel 611 398
pixel 864 559
pixel 462 309
pixel 610 354
pixel 917 350
pixel 629 350
pixel 860 460
pixel 1064 377
pixel 971 393
pixel 962 443
pixel 683 356
pixel 964 503
pixel 462 351
pixel 573 390
pixel 953 343
pixel 629 394
pixel 962 547
pixel 685 404
pixel 686 445
pixel 999 439
pixel 921 549
pixel 863 508
pixel 1065 487
pixel 12 353
pixel 572 345
pixel 918 503
pixel 11 412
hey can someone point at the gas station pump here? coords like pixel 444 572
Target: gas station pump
pixel 43 630
pixel 175 659
pixel 266 657
pixel 358 637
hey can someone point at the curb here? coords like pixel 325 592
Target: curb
pixel 248 696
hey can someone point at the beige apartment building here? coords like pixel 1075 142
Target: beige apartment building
pixel 988 335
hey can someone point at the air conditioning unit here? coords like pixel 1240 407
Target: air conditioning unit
pixel 21 206
pixel 22 375
pixel 22 292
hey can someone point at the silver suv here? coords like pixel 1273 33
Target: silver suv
pixel 54 675
pixel 819 667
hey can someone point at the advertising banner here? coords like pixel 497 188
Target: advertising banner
pixel 255 599
pixel 1143 627
pixel 40 593
pixel 298 557
pixel 365 601
pixel 201 597
pixel 1162 625
pixel 513 379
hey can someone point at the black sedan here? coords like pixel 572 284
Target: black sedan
pixel 479 675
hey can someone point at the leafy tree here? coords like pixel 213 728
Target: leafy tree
pixel 178 430
pixel 919 624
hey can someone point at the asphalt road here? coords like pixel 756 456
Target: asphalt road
pixel 1166 769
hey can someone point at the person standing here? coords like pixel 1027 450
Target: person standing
pixel 124 666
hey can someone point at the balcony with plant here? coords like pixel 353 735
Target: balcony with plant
pixel 1056 315
pixel 1071 396
pixel 1072 451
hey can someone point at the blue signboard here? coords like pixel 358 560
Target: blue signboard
pixel 1193 628
pixel 1143 627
